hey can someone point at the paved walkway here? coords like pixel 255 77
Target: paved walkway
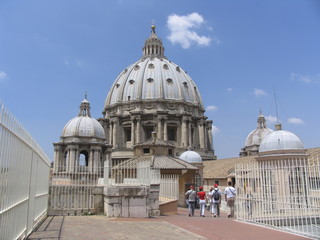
pixel 164 227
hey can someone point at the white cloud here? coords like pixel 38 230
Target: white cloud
pixel 215 130
pixel 296 121
pixel 304 78
pixel 79 62
pixel 259 92
pixel 211 108
pixel 181 30
pixel 271 119
pixel 3 76
pixel 73 62
pixel 229 90
pixel 66 62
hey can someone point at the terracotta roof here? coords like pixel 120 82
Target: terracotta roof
pixel 161 162
pixel 221 168
pixel 154 142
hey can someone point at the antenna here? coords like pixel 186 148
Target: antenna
pixel 275 101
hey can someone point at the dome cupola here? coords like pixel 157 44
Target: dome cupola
pixel 191 157
pixel 153 77
pixel 83 125
pixel 281 142
pixel 255 137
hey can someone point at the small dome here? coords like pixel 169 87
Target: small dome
pixel 280 140
pixel 191 157
pixel 257 135
pixel 83 125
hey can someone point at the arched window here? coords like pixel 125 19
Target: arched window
pixel 83 158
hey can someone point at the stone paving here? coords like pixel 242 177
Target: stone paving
pixel 173 227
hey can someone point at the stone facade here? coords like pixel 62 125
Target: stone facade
pixel 132 201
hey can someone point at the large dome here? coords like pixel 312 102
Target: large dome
pixel 153 77
pixel 280 140
pixel 83 125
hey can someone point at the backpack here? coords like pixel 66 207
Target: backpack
pixel 216 195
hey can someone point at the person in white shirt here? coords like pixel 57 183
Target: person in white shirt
pixel 215 199
pixel 230 195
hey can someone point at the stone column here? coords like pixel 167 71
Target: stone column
pixel 201 133
pixel 90 161
pixel 159 131
pixel 68 161
pixel 114 135
pixel 110 132
pixel 165 130
pixel 190 135
pixel 209 128
pixel 138 129
pixel 72 159
pixel 184 137
pixel 96 159
pixel 205 135
pixel 133 131
pixel 57 161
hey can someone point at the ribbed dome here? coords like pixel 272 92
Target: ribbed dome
pixel 280 140
pixel 153 77
pixel 191 157
pixel 256 136
pixel 83 125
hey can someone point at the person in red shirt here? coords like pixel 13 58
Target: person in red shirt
pixel 202 201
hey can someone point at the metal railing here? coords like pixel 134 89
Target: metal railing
pixel 283 194
pixel 24 179
pixel 72 192
pixel 169 187
pixel 131 173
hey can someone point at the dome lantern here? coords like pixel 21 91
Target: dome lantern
pixel 153 45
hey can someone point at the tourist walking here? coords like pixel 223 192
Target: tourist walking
pixel 202 201
pixel 191 198
pixel 230 195
pixel 215 200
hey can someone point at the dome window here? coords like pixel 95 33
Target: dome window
pixel 129 97
pixel 165 66
pixel 136 67
pixel 178 69
pixel 117 85
pixel 125 71
pixel 185 84
pixel 131 81
pixel 151 65
pixel 150 80
pixel 169 81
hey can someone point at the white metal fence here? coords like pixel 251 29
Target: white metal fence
pixel 169 187
pixel 141 173
pixel 284 194
pixel 72 192
pixel 24 179
pixel 131 173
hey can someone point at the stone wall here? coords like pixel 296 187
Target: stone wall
pixel 131 201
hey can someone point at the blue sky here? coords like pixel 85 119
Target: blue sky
pixel 238 53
